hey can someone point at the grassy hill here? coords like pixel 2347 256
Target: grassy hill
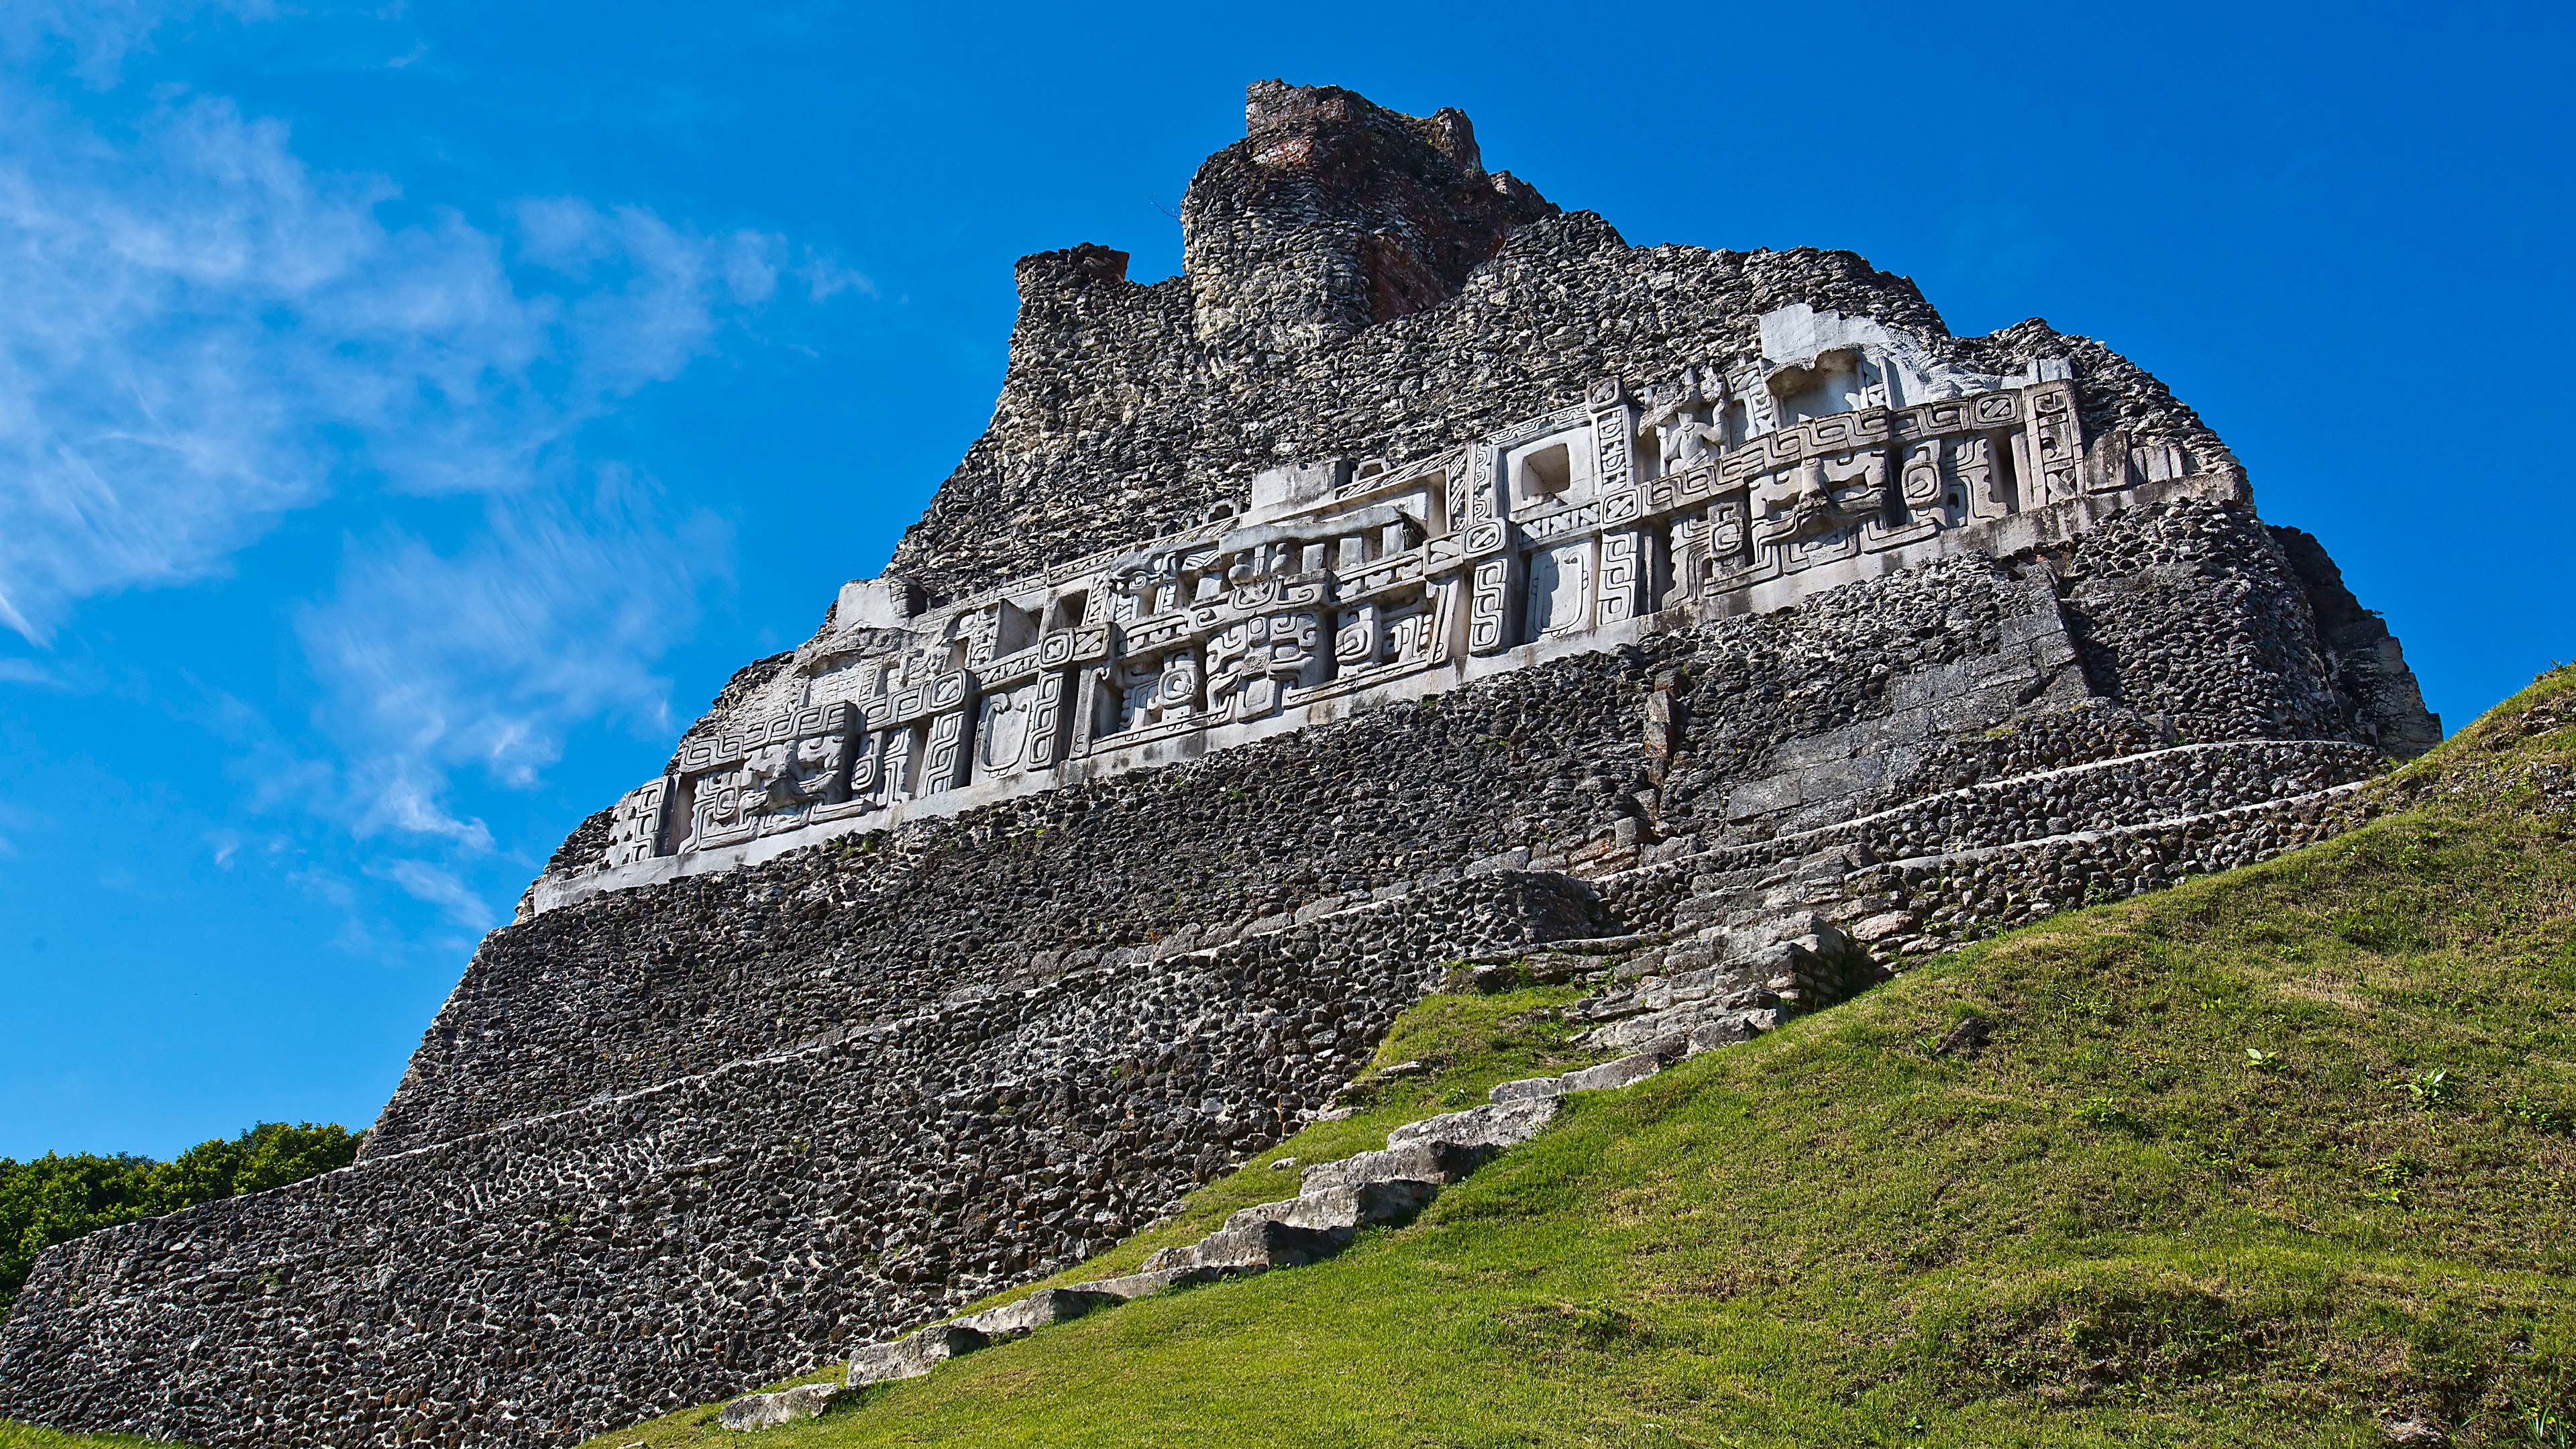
pixel 2283 1156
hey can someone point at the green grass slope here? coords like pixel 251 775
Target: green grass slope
pixel 2284 1156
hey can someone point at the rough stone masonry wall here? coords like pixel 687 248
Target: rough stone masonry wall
pixel 565 1274
pixel 879 1134
pixel 639 986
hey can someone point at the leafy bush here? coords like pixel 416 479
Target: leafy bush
pixel 55 1198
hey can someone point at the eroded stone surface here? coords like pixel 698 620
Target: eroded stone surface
pixel 914 1354
pixel 767 1411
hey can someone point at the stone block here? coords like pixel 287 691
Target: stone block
pixel 885 602
pixel 1724 1031
pixel 1344 1209
pixel 1880 927
pixel 1621 1072
pixel 1763 797
pixel 1251 1246
pixel 1045 1306
pixel 1147 1282
pixel 914 1354
pixel 1442 1162
pixel 764 1411
pixel 1494 1127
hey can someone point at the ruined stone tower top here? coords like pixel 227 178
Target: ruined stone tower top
pixel 1357 284
pixel 1333 214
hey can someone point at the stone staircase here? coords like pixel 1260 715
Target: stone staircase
pixel 1931 874
pixel 1386 1187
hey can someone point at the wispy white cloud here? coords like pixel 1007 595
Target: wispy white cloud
pixel 205 333
pixel 438 887
pixel 486 656
pixel 96 36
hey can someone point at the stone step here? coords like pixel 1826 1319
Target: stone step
pixel 1684 1030
pixel 1753 944
pixel 1621 1072
pixel 1699 1024
pixel 1336 1199
pixel 764 1411
pixel 1441 1162
pixel 1045 1306
pixel 1493 1127
pixel 2217 780
pixel 1144 1284
pixel 1347 1208
pixel 1253 1246
pixel 1661 993
pixel 913 1355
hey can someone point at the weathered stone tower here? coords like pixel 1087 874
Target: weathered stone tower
pixel 1423 572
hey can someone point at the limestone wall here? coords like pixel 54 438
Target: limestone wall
pixel 1776 731
pixel 1857 700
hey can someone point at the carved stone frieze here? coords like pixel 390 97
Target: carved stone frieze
pixel 1337 580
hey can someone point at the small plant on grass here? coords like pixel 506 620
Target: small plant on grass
pixel 2389 1178
pixel 2432 1091
pixel 2532 1112
pixel 2104 1114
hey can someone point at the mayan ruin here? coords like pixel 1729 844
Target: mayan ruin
pixel 1425 577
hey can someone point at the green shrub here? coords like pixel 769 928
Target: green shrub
pixel 55 1198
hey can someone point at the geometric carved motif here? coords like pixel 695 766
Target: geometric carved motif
pixel 1382 575
pixel 1361 639
pixel 2054 444
pixel 942 762
pixel 1252 664
pixel 1487 621
pixel 1047 719
pixel 1622 575
pixel 635 830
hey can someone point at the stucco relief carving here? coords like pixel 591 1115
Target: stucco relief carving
pixel 1339 579
pixel 766 780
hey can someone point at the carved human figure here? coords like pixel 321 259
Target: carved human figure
pixel 1684 424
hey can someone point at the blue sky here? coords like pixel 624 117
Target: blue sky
pixel 410 415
